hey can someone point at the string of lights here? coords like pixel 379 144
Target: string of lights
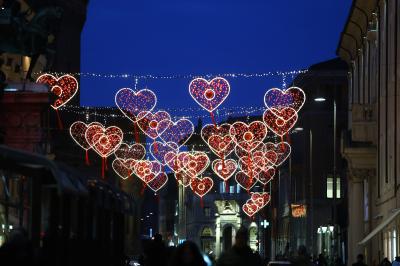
pixel 137 77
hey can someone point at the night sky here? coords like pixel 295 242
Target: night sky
pixel 204 36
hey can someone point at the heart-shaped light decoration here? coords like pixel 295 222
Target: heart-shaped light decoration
pixel 244 180
pixel 266 175
pixel 293 97
pixel 183 178
pixel 209 94
pixel 158 182
pixel 240 152
pixel 131 102
pixel 261 199
pixel 176 161
pixel 282 149
pixel 175 132
pixel 201 186
pixel 252 166
pixel 64 88
pixel 147 170
pixel 77 131
pixel 135 151
pixel 122 168
pixel 224 168
pixel 249 136
pixel 104 141
pixel 250 208
pixel 159 149
pixel 148 122
pixel 196 163
pixel 218 139
pixel 280 121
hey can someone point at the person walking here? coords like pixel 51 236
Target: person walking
pixel 187 254
pixel 396 261
pixel 240 254
pixel 360 261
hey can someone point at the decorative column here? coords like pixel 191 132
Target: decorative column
pixel 218 236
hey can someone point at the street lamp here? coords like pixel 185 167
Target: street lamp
pixel 319 99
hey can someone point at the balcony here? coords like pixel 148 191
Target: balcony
pixel 363 123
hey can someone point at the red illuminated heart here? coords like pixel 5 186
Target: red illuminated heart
pixel 224 168
pixel 104 140
pixel 250 208
pixel 292 97
pixel 252 166
pixel 266 175
pixel 248 136
pixel 261 199
pixel 77 131
pixel 64 87
pixel 201 186
pixel 176 161
pixel 158 182
pixel 183 178
pixel 147 170
pixel 280 121
pixel 196 163
pixel 244 180
pixel 135 151
pixel 282 150
pixel 148 122
pixel 240 152
pixel 209 95
pixel 218 139
pixel 122 168
pixel 131 102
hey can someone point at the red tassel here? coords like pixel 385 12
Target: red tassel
pixel 143 188
pixel 102 167
pixel 105 164
pixel 213 118
pixel 226 187
pixel 136 133
pixel 87 157
pixel 201 202
pixel 60 124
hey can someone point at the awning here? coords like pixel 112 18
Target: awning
pixel 21 161
pixel 380 227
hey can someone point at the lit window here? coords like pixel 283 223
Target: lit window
pixel 237 188
pixel 222 187
pixel 329 187
pixel 207 211
pixel 231 189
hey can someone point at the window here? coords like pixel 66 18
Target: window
pixel 207 211
pixel 237 188
pixel 329 187
pixel 394 244
pixel 232 189
pixel 222 187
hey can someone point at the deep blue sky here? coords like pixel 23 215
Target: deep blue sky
pixel 204 36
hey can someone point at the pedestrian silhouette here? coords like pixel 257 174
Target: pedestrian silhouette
pixel 302 259
pixel 155 252
pixel 360 260
pixel 187 254
pixel 240 254
pixel 396 261
pixel 385 262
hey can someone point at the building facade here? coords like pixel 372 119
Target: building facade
pixel 308 202
pixel 370 45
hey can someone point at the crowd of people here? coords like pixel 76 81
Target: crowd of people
pixel 188 254
pixel 18 251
